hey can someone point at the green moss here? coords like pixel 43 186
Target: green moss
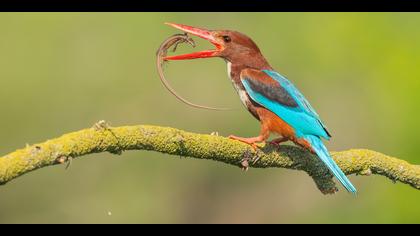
pixel 103 138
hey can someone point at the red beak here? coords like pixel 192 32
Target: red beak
pixel 202 33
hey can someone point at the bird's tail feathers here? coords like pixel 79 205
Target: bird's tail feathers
pixel 322 152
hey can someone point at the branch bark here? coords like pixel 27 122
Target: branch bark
pixel 102 138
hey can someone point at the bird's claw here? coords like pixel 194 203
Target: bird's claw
pixel 276 142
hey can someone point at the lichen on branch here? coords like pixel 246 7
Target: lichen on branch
pixel 103 138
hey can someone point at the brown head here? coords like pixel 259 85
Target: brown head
pixel 232 46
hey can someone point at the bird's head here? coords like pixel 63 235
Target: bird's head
pixel 230 45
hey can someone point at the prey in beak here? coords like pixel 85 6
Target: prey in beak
pixel 202 33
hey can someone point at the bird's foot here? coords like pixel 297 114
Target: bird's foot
pixel 249 156
pixel 276 142
pixel 250 141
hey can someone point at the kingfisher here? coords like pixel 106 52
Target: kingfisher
pixel 269 96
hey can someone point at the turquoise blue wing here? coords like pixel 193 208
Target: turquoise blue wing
pixel 287 102
pixel 280 96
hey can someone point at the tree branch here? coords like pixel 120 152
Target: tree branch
pixel 102 138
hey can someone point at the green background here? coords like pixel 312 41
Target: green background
pixel 61 72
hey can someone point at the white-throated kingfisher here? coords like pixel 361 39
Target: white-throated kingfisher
pixel 269 97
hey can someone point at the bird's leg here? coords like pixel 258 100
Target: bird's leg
pixel 264 134
pixel 250 141
pixel 277 141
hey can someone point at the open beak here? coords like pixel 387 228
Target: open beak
pixel 202 33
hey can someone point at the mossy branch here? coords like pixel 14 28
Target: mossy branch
pixel 102 138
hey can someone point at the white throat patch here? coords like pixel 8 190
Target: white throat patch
pixel 242 94
pixel 229 68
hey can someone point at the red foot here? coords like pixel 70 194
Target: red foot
pixel 249 141
pixel 277 141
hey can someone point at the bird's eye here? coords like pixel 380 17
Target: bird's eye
pixel 227 39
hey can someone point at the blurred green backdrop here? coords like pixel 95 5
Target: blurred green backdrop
pixel 61 72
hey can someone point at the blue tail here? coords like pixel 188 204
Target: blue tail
pixel 325 157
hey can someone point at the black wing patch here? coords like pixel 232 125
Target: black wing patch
pixel 277 94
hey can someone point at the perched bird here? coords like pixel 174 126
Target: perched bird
pixel 269 97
